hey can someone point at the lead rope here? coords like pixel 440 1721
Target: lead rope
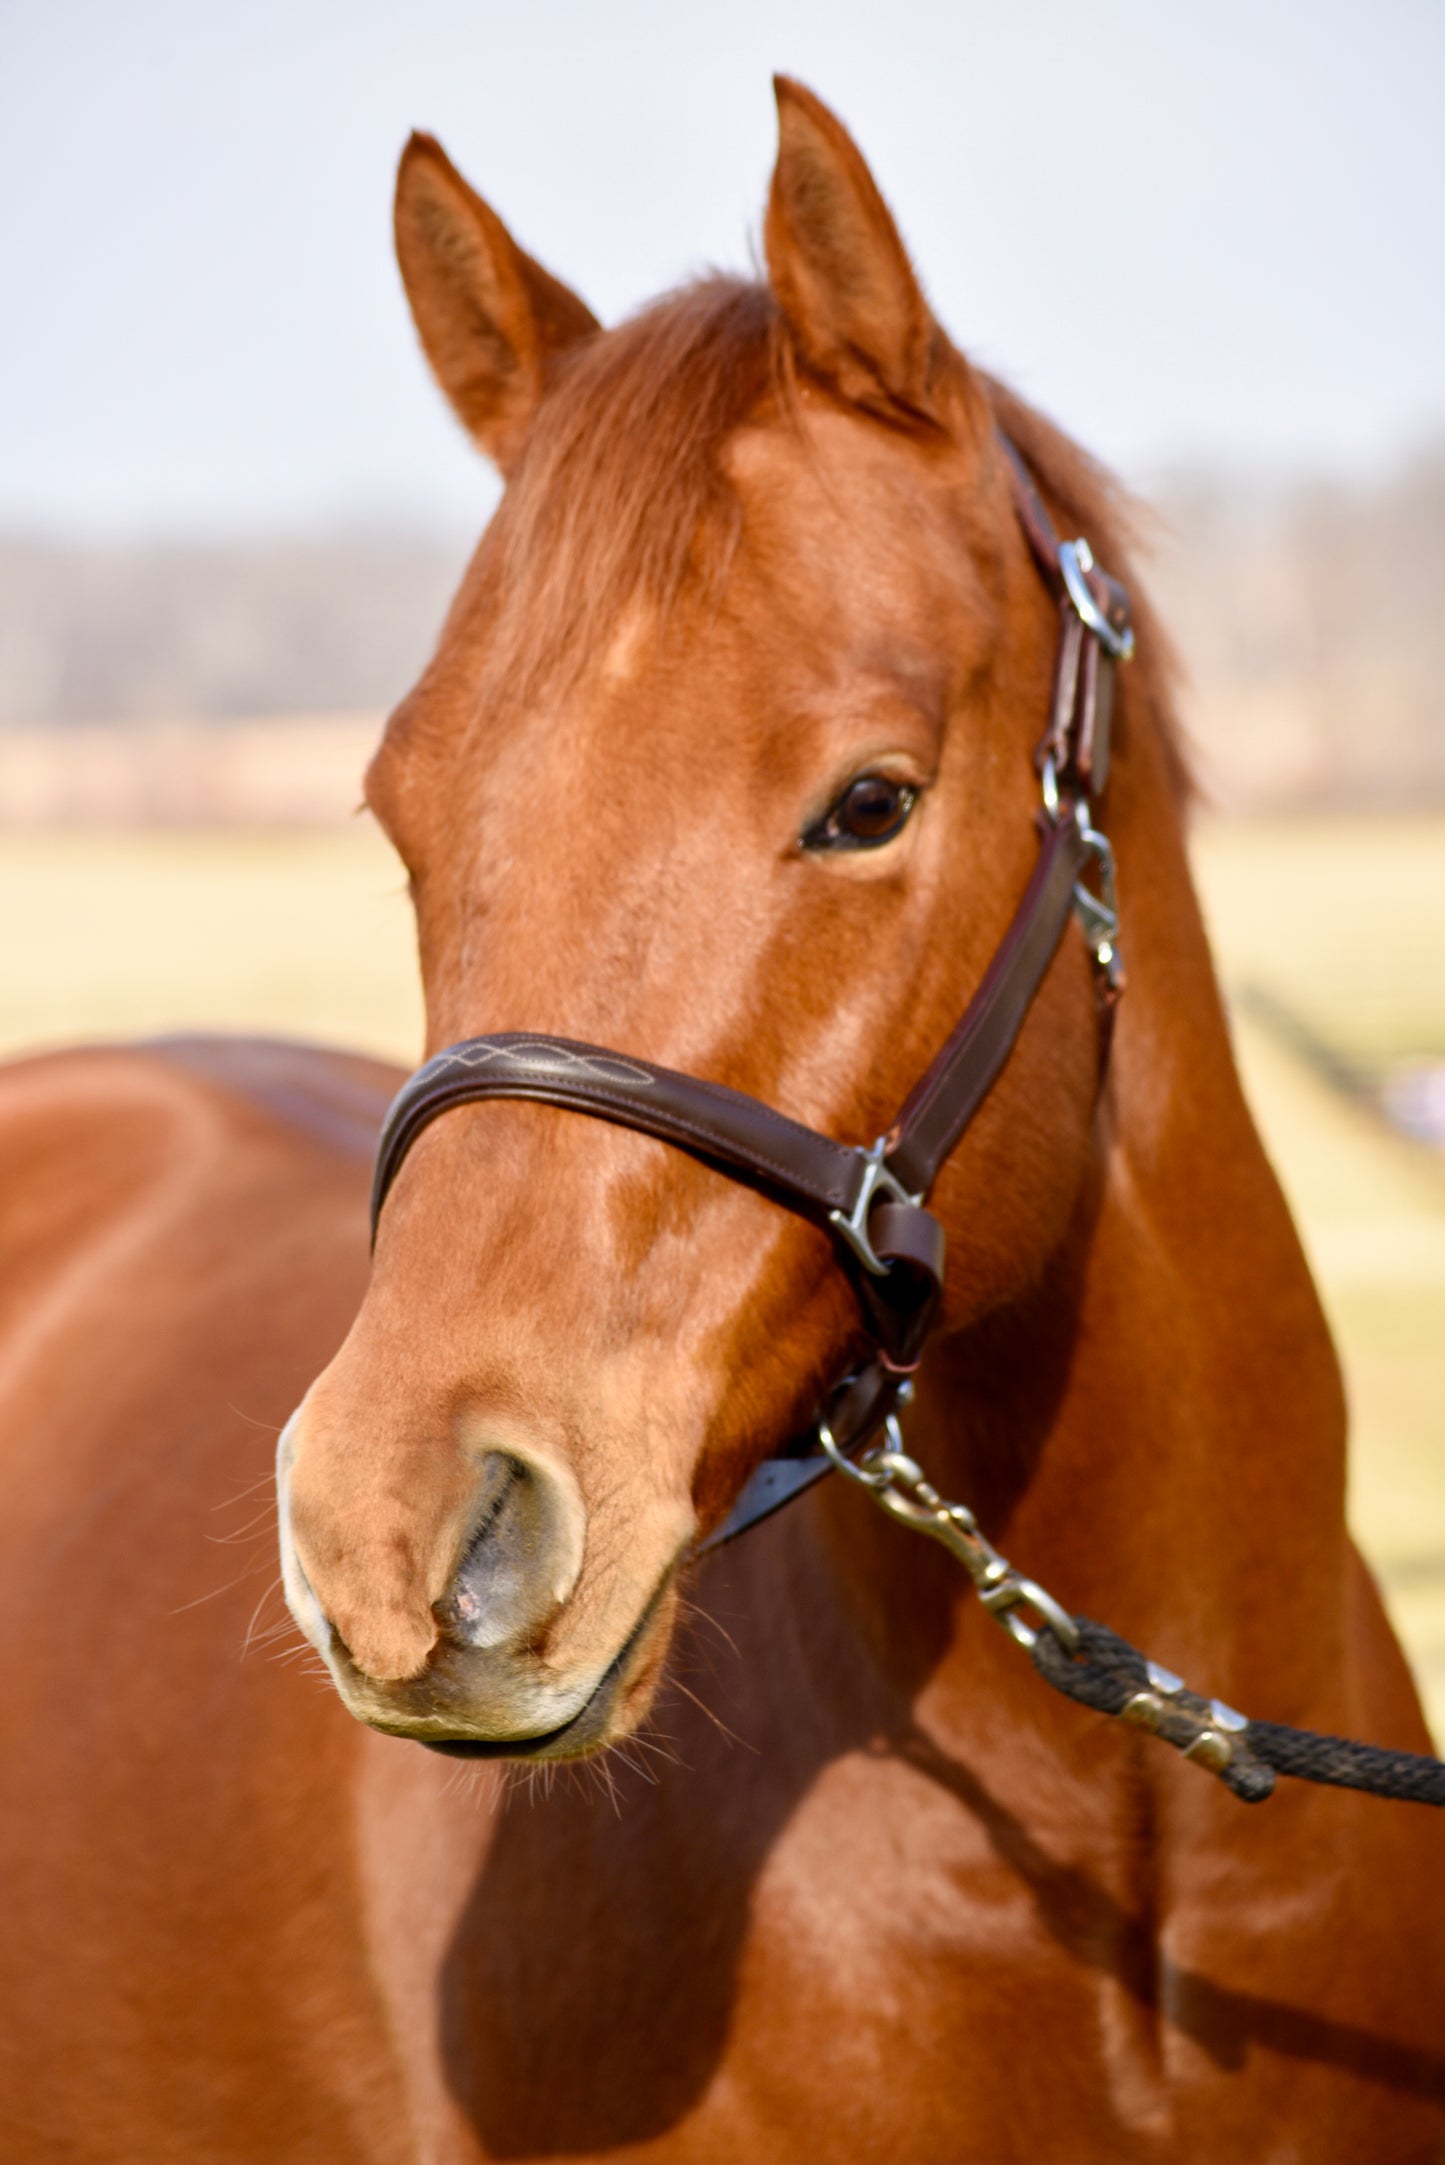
pixel 1093 1665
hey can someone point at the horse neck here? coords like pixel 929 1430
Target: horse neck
pixel 1156 1433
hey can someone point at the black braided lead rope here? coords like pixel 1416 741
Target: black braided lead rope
pixel 1113 1677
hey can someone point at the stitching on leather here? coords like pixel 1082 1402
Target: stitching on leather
pixel 421 1110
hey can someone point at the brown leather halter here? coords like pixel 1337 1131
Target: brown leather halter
pixel 870 1200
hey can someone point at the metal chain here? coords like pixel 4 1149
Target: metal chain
pixel 899 1486
pixel 1066 1650
pixel 1095 1667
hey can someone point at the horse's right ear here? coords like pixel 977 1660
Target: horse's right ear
pixel 490 320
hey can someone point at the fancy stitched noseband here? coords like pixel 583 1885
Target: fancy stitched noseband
pixel 871 1200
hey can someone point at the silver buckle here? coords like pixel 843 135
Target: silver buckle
pixel 852 1225
pixel 1075 559
pixel 1099 914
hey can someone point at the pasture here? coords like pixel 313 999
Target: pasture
pixel 1331 938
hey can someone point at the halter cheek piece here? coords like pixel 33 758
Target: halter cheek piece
pixel 871 1200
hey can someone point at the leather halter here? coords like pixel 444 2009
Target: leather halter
pixel 870 1200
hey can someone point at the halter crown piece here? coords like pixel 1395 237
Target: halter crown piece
pixel 870 1199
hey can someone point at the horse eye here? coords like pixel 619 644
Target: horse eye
pixel 871 811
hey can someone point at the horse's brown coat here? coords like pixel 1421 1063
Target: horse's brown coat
pixel 884 1898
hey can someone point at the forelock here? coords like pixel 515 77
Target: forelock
pixel 621 491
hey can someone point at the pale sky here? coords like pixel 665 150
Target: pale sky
pixel 1189 232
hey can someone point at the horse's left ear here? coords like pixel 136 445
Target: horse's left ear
pixel 841 275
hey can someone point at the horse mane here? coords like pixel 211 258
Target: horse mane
pixel 621 492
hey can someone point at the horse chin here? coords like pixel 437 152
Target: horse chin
pixel 617 1707
pixel 434 1711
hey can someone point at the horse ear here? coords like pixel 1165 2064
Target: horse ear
pixel 490 320
pixel 839 271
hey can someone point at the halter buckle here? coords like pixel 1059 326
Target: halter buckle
pixel 852 1226
pixel 1099 913
pixel 1076 558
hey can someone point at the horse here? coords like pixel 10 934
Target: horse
pixel 776 1849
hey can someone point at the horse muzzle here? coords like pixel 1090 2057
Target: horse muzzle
pixel 480 1655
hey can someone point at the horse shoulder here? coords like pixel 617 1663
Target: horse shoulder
pixel 182 1228
pixel 182 1243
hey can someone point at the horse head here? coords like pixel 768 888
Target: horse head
pixel 724 761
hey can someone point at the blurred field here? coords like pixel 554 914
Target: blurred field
pixel 1332 939
pixel 129 933
pixel 1340 925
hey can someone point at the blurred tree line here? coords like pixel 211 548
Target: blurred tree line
pixel 1309 618
pixel 217 630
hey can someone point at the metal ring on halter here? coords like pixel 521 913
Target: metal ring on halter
pixel 860 1471
pixel 852 1225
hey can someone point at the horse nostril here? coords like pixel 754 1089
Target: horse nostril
pixel 507 1581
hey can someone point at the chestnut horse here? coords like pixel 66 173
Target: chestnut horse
pixel 724 760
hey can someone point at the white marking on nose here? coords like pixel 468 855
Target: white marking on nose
pixel 300 1600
